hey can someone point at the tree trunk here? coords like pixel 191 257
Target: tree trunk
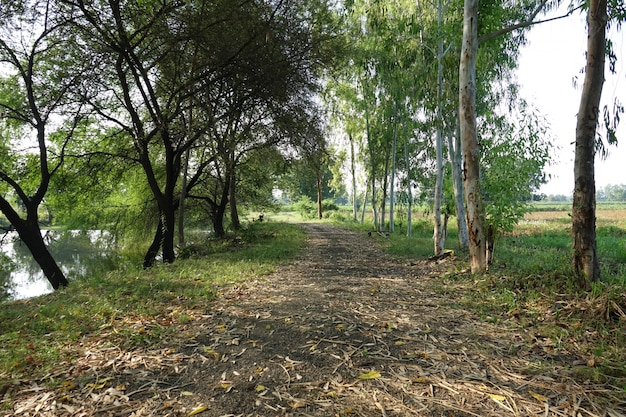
pixel 232 196
pixel 469 139
pixel 383 202
pixel 490 238
pixel 364 203
pixel 30 234
pixel 409 191
pixel 169 222
pixel 181 202
pixel 319 194
pixel 374 210
pixel 372 171
pixel 219 211
pixel 454 150
pixel 355 206
pixel 153 250
pixel 392 193
pixel 584 260
pixel 439 236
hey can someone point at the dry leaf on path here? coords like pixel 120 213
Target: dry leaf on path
pixel 370 375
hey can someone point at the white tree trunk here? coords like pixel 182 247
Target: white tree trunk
pixel 454 151
pixel 469 139
pixel 353 173
pixel 439 237
pixel 392 196
pixel 409 192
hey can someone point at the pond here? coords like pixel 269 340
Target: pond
pixel 78 253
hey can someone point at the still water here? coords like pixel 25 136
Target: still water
pixel 78 253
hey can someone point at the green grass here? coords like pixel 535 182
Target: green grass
pixel 134 307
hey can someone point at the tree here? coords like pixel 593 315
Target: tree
pixel 584 259
pixel 514 154
pixel 469 141
pixel 37 94
pixel 514 18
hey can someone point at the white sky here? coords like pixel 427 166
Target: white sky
pixel 555 55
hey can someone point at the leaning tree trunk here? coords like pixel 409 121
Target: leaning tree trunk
pixel 584 260
pixel 30 234
pixel 469 139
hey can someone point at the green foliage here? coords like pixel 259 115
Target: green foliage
pixel 513 161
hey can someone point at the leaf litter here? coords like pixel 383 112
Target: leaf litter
pixel 345 330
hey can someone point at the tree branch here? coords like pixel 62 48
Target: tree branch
pixel 530 22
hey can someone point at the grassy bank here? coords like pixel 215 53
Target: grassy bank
pixel 126 309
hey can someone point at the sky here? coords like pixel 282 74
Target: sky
pixel 553 57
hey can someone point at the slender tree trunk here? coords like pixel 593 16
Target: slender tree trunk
pixel 409 191
pixel 374 210
pixel 438 232
pixel 181 202
pixel 392 196
pixel 370 146
pixel 355 206
pixel 383 202
pixel 585 261
pixel 469 139
pixel 454 150
pixel 364 203
pixel 319 196
pixel 232 196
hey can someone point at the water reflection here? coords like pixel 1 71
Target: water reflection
pixel 78 253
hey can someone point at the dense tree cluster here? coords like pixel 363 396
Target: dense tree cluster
pixel 153 103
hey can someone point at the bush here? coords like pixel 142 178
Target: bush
pixel 306 208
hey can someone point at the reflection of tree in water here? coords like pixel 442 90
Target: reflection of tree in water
pixel 6 267
pixel 78 253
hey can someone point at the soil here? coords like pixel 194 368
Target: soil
pixel 344 330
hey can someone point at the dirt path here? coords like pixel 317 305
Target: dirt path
pixel 346 331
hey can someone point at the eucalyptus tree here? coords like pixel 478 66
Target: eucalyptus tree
pixel 40 114
pixel 513 19
pixel 585 260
